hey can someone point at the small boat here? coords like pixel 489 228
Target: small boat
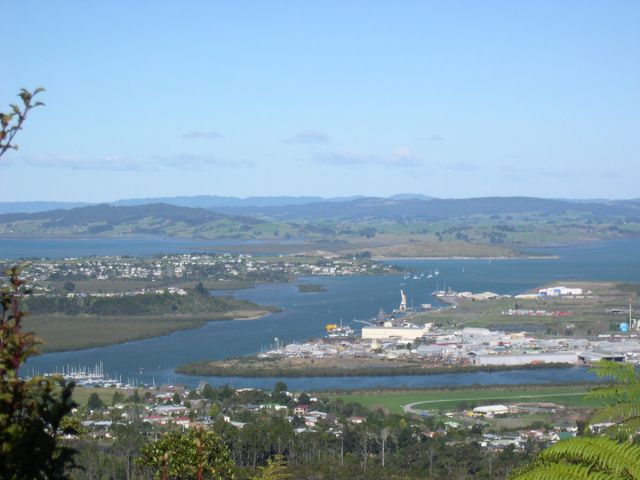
pixel 334 331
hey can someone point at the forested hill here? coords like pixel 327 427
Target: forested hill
pixel 436 209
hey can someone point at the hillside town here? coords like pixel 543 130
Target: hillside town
pixel 176 407
pixel 191 267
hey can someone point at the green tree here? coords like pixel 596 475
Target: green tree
pixel 69 286
pixel 135 397
pixel 214 410
pixel 118 397
pixel 95 402
pixel 275 469
pixel 130 439
pixel 208 392
pixel 611 455
pixel 72 426
pixel 279 394
pixel 201 290
pixel 196 454
pixel 31 410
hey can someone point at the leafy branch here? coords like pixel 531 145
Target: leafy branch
pixel 11 123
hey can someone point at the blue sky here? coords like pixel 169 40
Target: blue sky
pixel 451 98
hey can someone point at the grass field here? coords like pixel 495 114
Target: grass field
pixel 572 395
pixel 60 332
pixel 589 315
pixel 81 394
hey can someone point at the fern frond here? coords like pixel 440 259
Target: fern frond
pixel 602 454
pixel 616 413
pixel 625 430
pixel 561 471
pixel 623 373
pixel 611 393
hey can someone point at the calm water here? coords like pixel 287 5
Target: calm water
pixel 305 314
pixel 14 248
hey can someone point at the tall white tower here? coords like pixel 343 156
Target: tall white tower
pixel 403 302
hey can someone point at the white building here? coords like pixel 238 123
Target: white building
pixel 491 410
pixel 559 291
pixel 403 333
pixel 524 359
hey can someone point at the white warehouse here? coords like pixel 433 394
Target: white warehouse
pixel 403 333
pixel 559 291
pixel 524 359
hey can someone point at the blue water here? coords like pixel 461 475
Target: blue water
pixel 305 314
pixel 16 248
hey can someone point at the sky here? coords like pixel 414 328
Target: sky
pixel 451 99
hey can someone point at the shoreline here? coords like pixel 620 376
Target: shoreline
pixel 201 369
pixel 528 257
pixel 456 388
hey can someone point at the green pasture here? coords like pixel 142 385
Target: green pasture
pixel 394 401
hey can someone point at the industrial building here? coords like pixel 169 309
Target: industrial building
pixel 523 359
pixel 409 332
pixel 491 410
pixel 559 291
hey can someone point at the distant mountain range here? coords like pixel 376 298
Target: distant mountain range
pixel 433 209
pixel 270 205
pixel 196 201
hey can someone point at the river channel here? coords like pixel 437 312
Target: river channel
pixel 347 298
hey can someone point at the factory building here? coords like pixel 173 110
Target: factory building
pixel 491 410
pixel 523 359
pixel 402 333
pixel 559 291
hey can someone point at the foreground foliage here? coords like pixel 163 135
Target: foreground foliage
pixel 196 454
pixel 612 456
pixel 30 410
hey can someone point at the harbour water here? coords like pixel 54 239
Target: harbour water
pixel 26 248
pixel 348 298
